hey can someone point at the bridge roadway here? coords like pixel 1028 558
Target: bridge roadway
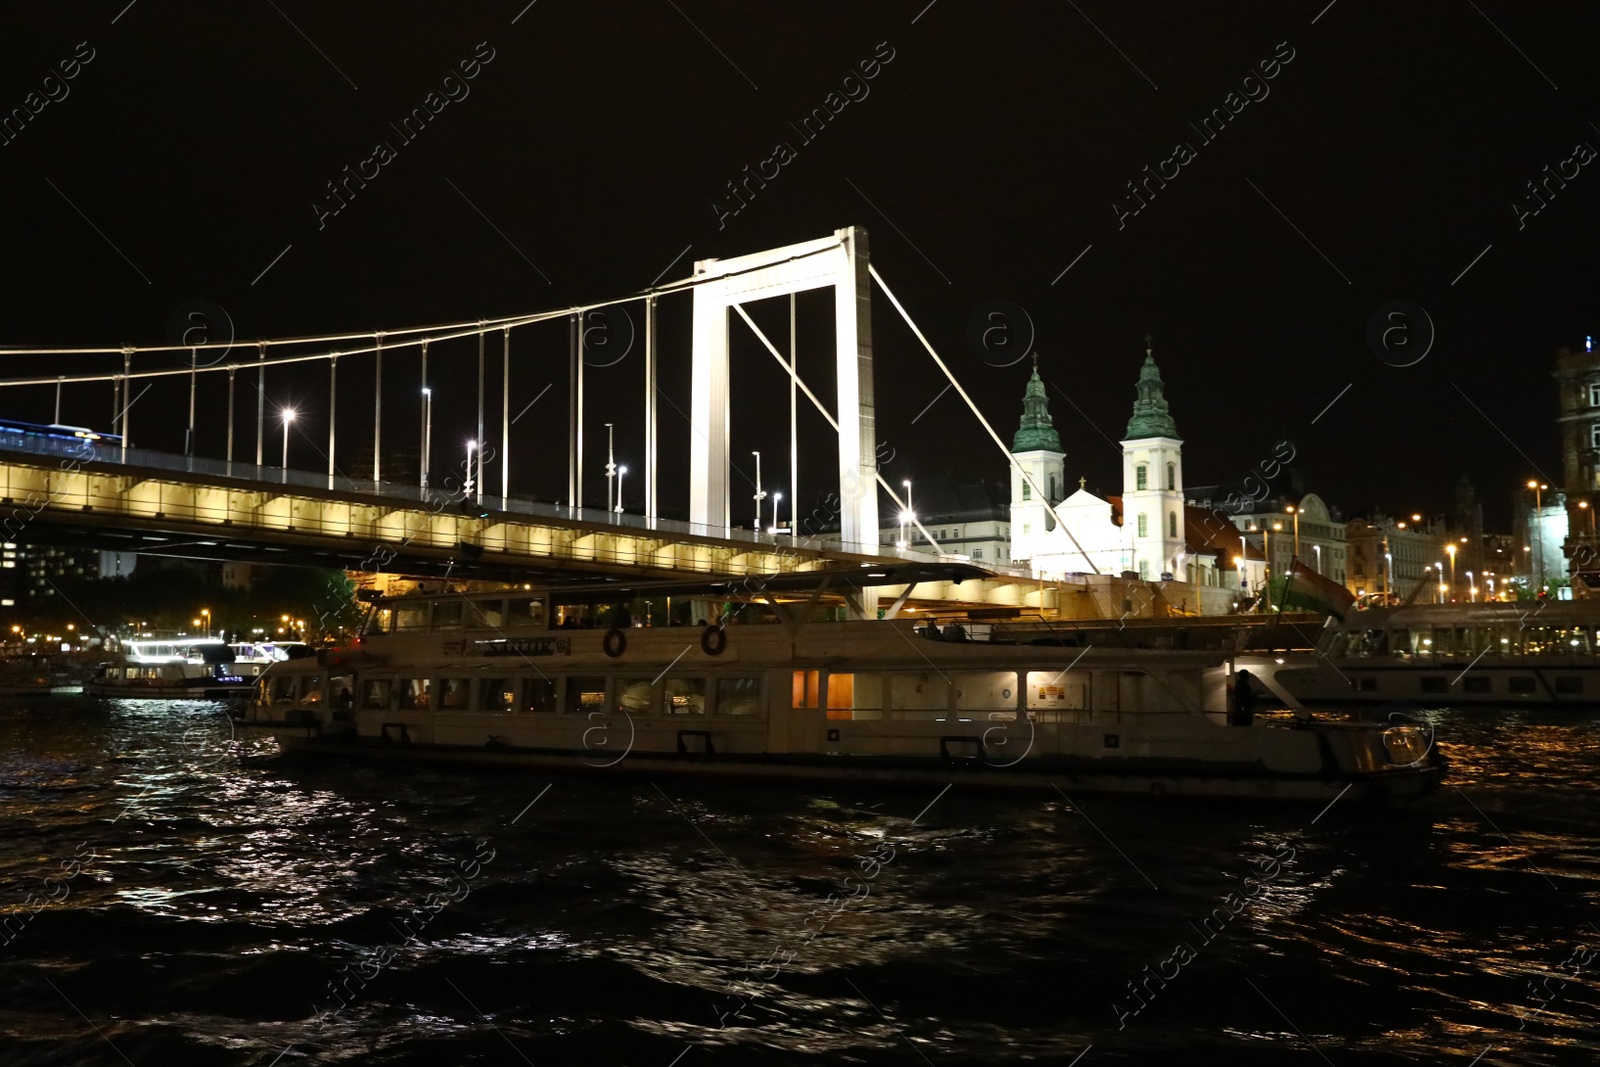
pixel 165 504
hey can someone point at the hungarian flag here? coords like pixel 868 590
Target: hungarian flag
pixel 1308 589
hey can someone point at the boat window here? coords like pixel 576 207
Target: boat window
pixel 1435 683
pixel 985 690
pixel 375 693
pixel 447 615
pixel 586 694
pixel 683 696
pixel 1476 683
pixel 487 614
pixel 1338 644
pixel 497 694
pixel 1058 689
pixel 1569 685
pixel 739 696
pixel 342 689
pixel 804 689
pixel 132 672
pixel 411 617
pixel 855 696
pixel 415 694
pixel 1367 685
pixel 311 689
pixel 636 696
pixel 525 612
pixel 382 621
pixel 540 696
pixel 1522 684
pixel 1400 641
pixel 922 691
pixel 283 689
pixel 454 693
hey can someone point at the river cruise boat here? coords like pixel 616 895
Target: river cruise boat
pixel 250 658
pixel 39 676
pixel 1532 653
pixel 487 678
pixel 199 668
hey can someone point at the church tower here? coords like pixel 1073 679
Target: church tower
pixel 1038 451
pixel 1152 478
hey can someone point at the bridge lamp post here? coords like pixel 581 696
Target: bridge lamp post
pixel 776 496
pixel 620 472
pixel 467 489
pixel 613 491
pixel 1451 549
pixel 205 613
pixel 1472 588
pixel 760 493
pixel 427 431
pixel 288 417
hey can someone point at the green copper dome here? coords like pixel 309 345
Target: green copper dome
pixel 1037 432
pixel 1150 415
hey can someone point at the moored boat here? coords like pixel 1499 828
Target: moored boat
pixel 1501 654
pixel 198 668
pixel 449 678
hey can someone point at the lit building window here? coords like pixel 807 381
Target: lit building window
pixel 1141 477
pixel 1594 435
pixel 977 553
pixel 1144 525
pixel 1027 491
pixel 1144 567
pixel 1594 394
pixel 1172 477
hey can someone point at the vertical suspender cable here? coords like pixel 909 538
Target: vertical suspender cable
pixel 572 410
pixel 650 409
pixel 261 404
pixel 794 424
pixel 377 409
pixel 480 440
pixel 505 413
pixel 194 378
pixel 333 410
pixel 231 370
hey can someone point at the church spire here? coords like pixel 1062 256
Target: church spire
pixel 1037 431
pixel 1150 415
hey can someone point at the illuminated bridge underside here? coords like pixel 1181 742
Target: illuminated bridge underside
pixel 160 512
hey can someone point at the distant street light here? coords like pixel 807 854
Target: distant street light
pixel 620 472
pixel 467 488
pixel 776 496
pixel 1452 550
pixel 1296 512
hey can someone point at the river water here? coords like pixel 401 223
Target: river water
pixel 174 896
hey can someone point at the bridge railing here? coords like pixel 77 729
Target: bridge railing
pixel 255 478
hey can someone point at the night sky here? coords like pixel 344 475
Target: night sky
pixel 988 151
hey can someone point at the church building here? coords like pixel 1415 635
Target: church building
pixel 1142 531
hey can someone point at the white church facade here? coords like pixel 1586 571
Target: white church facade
pixel 1142 532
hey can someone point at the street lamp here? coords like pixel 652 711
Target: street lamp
pixel 467 488
pixel 1238 563
pixel 1452 550
pixel 1318 550
pixel 761 494
pixel 427 431
pixel 1472 588
pixel 909 516
pixel 206 613
pixel 776 496
pixel 1388 558
pixel 611 466
pixel 1296 512
pixel 288 417
pixel 620 472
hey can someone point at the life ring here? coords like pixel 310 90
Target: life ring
pixel 713 639
pixel 615 643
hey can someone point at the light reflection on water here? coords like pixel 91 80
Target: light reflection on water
pixel 227 890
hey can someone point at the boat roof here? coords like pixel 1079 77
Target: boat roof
pixel 740 585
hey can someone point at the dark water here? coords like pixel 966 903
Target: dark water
pixel 217 894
